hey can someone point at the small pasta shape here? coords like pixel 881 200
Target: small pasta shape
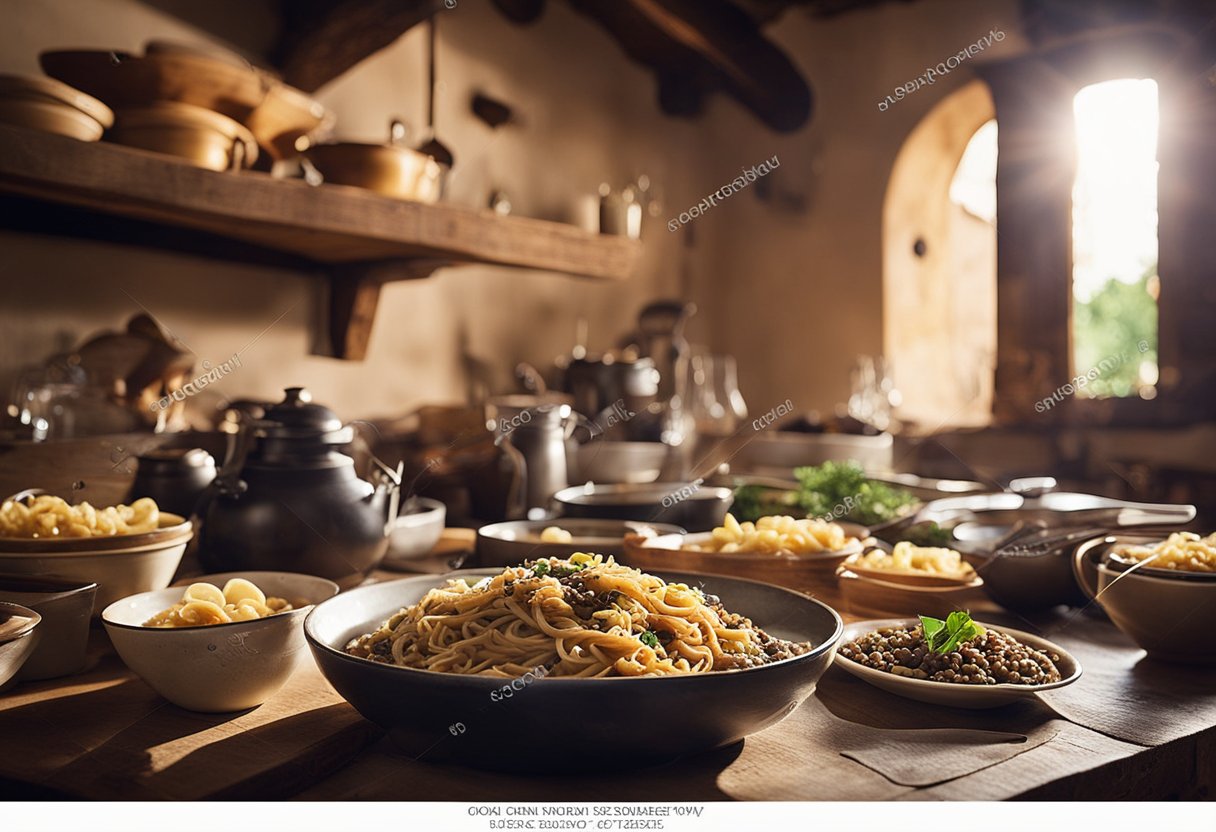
pixel 1185 551
pixel 205 592
pixel 47 517
pixel 777 534
pixel 204 604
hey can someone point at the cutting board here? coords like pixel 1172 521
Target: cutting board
pixel 106 735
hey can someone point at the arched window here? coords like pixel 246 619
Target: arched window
pixel 939 264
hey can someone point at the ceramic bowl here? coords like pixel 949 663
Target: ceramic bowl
pixel 619 462
pixel 50 117
pixel 693 507
pixel 415 534
pixel 866 595
pixel 1159 609
pixel 513 542
pixel 66 607
pixel 19 637
pixel 48 90
pixel 222 667
pixel 277 115
pixel 444 717
pixel 120 565
pixel 949 693
pixel 812 573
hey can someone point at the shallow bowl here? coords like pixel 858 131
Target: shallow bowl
pixel 513 542
pixel 866 595
pixel 50 117
pixel 810 573
pixel 620 462
pixel 693 507
pixel 949 693
pixel 17 642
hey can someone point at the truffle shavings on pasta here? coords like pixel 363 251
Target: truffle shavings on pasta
pixel 580 616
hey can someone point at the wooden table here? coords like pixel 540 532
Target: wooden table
pixel 104 734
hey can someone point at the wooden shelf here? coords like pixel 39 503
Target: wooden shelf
pixel 346 231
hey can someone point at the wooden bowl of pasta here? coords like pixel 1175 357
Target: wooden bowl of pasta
pixel 798 554
pixel 123 549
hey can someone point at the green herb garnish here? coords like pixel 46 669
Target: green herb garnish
pixel 566 570
pixel 541 567
pixel 649 638
pixel 945 636
pixel 927 534
pixel 841 490
pixel 833 490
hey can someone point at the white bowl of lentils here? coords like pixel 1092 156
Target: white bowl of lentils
pixel 998 668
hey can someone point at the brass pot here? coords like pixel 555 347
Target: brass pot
pixel 391 170
pixel 201 136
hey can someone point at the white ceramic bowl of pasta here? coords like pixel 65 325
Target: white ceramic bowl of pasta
pixel 120 565
pixel 220 667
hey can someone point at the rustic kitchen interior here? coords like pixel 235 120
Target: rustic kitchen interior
pixel 846 364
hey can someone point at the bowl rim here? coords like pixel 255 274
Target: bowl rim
pixel 173 529
pixel 846 572
pixel 865 673
pixel 1150 574
pixel 637 494
pixel 1096 549
pixel 179 585
pixel 16 85
pixel 972 578
pixel 57 585
pixel 430 508
pixel 753 557
pixel 827 646
pixel 24 611
pixel 1157 572
pixel 491 531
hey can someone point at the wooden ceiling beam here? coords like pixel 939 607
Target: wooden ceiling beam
pixel 321 39
pixel 712 44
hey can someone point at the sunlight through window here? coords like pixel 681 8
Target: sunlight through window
pixel 1115 282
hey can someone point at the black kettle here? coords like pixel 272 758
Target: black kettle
pixel 288 500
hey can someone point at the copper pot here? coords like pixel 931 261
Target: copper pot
pixel 206 138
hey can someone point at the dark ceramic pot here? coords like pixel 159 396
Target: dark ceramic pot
pixel 288 500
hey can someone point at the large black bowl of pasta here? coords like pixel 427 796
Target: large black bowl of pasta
pixel 505 668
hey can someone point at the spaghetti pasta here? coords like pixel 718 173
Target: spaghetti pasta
pixel 581 616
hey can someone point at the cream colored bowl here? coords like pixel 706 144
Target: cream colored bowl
pixel 1169 616
pixel 222 667
pixel 120 565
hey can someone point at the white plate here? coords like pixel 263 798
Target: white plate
pixel 950 693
